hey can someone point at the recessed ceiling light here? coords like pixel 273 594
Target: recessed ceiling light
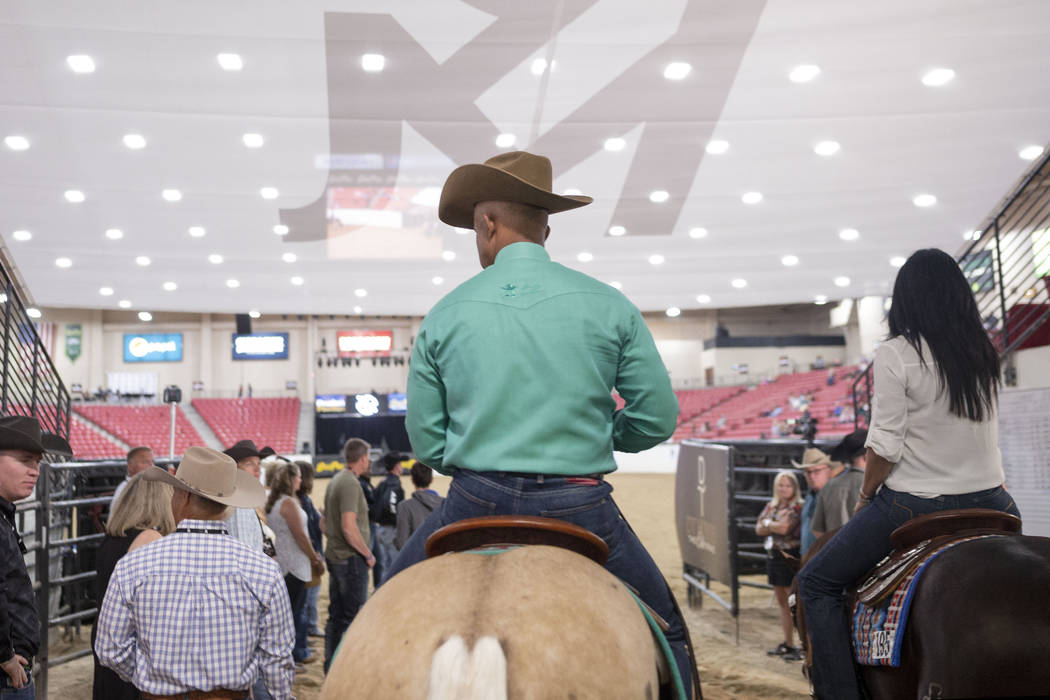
pixel 1030 152
pixel 438 280
pixel 16 143
pixel 63 262
pixel 616 285
pixel 135 141
pixel 170 286
pixel 233 284
pixel 289 257
pixel 297 281
pixel 677 70
pixel 751 197
pixel 972 235
pixel 717 147
pixel 572 191
pixel 659 196
pixel 230 61
pixel 81 63
pixel 215 259
pixel 827 148
pixel 938 77
pixel 820 299
pixel 698 232
pixel 269 193
pixel 124 304
pixel 254 314
pixel 171 195
pixel 673 312
pixel 656 259
pixel 357 310
pixel 197 231
pixel 849 234
pixel 585 256
pixel 253 140
pixel 739 283
pixel 373 62
pixel 842 281
pixel 506 140
pixel 617 230
pixel 106 291
pixel 360 293
pixel 448 255
pixel 33 312
pixel 145 316
pixel 538 66
pixel 898 260
pixel 114 234
pixel 280 230
pixel 74 196
pixel 703 299
pixel 142 261
pixel 789 260
pixel 615 144
pixel 464 231
pixel 21 235
pixel 924 200
pixel 803 73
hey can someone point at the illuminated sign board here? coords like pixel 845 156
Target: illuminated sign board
pixel 396 403
pixel 330 403
pixel 153 347
pixel 364 343
pixel 260 346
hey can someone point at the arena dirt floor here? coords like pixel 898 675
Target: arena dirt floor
pixel 727 669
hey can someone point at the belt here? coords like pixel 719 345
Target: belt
pixel 572 479
pixel 215 694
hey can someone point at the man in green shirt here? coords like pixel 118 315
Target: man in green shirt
pixel 511 379
pixel 348 556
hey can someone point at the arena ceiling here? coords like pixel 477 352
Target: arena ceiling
pixel 236 156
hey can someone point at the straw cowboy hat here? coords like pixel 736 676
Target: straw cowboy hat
pixel 509 177
pixel 213 475
pixel 23 433
pixel 812 457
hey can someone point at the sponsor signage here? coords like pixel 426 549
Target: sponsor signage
pixel 364 343
pixel 153 347
pixel 330 403
pixel 705 531
pixel 260 346
pixel 396 403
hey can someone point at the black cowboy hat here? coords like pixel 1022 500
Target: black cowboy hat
pixel 23 433
pixel 245 449
pixel 850 446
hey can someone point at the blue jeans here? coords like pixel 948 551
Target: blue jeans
pixel 310 609
pixel 347 592
pixel 297 598
pixel 384 550
pixel 259 690
pixel 477 494
pixel 24 693
pixel 854 550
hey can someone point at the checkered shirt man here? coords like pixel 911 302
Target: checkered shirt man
pixel 197 610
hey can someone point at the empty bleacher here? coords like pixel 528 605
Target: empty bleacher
pixel 88 443
pixel 143 425
pixel 269 421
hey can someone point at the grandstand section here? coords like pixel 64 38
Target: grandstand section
pixel 267 421
pixel 88 443
pixel 143 425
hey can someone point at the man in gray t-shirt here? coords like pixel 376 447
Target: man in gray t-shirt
pixel 837 500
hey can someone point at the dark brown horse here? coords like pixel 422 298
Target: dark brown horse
pixel 979 625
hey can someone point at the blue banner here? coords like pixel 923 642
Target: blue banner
pixel 153 347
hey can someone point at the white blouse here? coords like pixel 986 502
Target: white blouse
pixel 290 557
pixel 934 451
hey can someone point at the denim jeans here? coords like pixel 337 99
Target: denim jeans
pixel 310 609
pixel 259 689
pixel 297 597
pixel 476 494
pixel 347 591
pixel 384 550
pixel 854 550
pixel 26 692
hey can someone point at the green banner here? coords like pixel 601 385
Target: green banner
pixel 74 338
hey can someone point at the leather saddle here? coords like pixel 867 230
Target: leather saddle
pixel 916 538
pixel 514 530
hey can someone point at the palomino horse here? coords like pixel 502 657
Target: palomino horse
pixel 979 625
pixel 521 622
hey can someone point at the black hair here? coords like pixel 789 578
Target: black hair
pixel 933 301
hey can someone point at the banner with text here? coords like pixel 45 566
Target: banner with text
pixel 153 347
pixel 364 343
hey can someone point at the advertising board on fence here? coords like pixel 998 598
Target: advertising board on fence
pixel 702 513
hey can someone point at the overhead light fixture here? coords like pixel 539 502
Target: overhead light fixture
pixel 142 261
pixel 739 283
pixel 135 142
pixel 617 230
pixel 656 259
pixel 233 284
pixel 289 257
pixel 230 61
pixel 197 231
pixel 585 257
pixel 269 193
pixel 924 200
pixel 703 299
pixel 804 73
pixel 215 259
pixel 106 291
pixel 21 235
pixel 373 62
pixel 357 310
pixel 297 281
pixel 438 280
pixel 74 196
pixel 114 234
pixel 698 232
pixel 253 140
pixel 751 197
pixel 673 312
pixel 820 299
pixel 827 148
pixel 124 304
pixel 63 263
pixel 33 312
pixel 677 70
pixel 280 230
pixel 506 140
pixel 16 143
pixel 1030 152
pixel 789 260
pixel 540 64
pixel 938 77
pixel 842 281
pixel 898 261
pixel 849 234
pixel 615 144
pixel 659 196
pixel 81 63
pixel 145 316
pixel 360 293
pixel 254 314
pixel 616 285
pixel 170 286
pixel 448 255
pixel 717 147
pixel 171 195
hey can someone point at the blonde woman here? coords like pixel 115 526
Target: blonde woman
pixel 139 516
pixel 779 523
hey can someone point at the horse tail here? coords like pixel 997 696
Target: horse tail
pixel 456 673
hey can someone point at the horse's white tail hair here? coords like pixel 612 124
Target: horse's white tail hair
pixel 456 673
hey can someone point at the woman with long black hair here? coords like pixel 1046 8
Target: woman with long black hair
pixel 933 445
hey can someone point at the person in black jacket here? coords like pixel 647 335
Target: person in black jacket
pixel 388 495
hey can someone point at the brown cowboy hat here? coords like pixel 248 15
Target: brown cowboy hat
pixel 812 457
pixel 213 475
pixel 509 177
pixel 23 433
pixel 246 448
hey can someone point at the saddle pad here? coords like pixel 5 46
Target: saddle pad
pixel 878 630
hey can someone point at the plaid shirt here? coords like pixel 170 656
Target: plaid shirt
pixel 196 611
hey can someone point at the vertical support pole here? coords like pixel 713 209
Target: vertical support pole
pixel 7 345
pixel 171 441
pixel 36 373
pixel 43 574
